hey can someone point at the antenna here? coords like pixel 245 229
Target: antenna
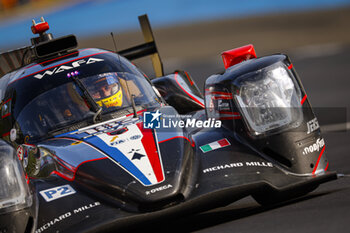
pixel 115 45
pixel 131 96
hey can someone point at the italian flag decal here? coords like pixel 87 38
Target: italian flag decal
pixel 215 145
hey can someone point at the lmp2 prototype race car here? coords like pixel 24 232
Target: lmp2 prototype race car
pixel 90 143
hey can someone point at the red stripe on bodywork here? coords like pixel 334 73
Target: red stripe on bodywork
pixel 75 171
pixel 27 178
pixel 63 176
pixel 326 168
pixel 192 97
pixel 230 118
pixel 150 146
pixel 229 113
pixel 138 113
pixel 318 160
pixel 64 164
pixel 222 97
pixel 6 115
pixel 290 66
pixel 6 134
pixel 303 100
pixel 218 93
pixel 5 102
pixel 165 140
pixel 188 77
pixel 31 145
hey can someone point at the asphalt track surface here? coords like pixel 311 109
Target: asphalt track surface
pixel 324 71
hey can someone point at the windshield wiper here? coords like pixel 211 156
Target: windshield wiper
pixel 86 95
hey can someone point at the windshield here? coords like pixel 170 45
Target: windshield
pixel 65 106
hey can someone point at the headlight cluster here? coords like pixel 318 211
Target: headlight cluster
pixel 269 99
pixel 14 191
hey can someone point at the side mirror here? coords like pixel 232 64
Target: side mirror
pixel 180 91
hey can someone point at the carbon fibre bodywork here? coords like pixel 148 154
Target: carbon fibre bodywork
pixel 96 176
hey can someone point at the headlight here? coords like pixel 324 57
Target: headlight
pixel 14 191
pixel 269 99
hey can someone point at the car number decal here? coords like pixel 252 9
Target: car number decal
pixel 57 192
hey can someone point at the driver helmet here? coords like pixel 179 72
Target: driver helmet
pixel 106 90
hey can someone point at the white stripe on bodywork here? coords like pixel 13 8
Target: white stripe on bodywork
pixel 128 146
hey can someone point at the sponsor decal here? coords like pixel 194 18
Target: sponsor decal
pixel 211 104
pixel 115 137
pixel 67 215
pixel 116 141
pixel 224 105
pixel 76 143
pixel 133 150
pixel 26 138
pixel 136 154
pixel 13 135
pixel 215 145
pixel 113 128
pixel 118 131
pixel 62 68
pixel 314 147
pixel 25 162
pixel 20 152
pixel 237 165
pixel 135 137
pixel 222 167
pixel 258 164
pixel 119 141
pixel 86 207
pixel 57 192
pixel 312 125
pixel 155 120
pixel 53 222
pixel 161 188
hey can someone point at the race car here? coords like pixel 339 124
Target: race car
pixel 89 143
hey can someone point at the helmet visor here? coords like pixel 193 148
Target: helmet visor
pixel 103 86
